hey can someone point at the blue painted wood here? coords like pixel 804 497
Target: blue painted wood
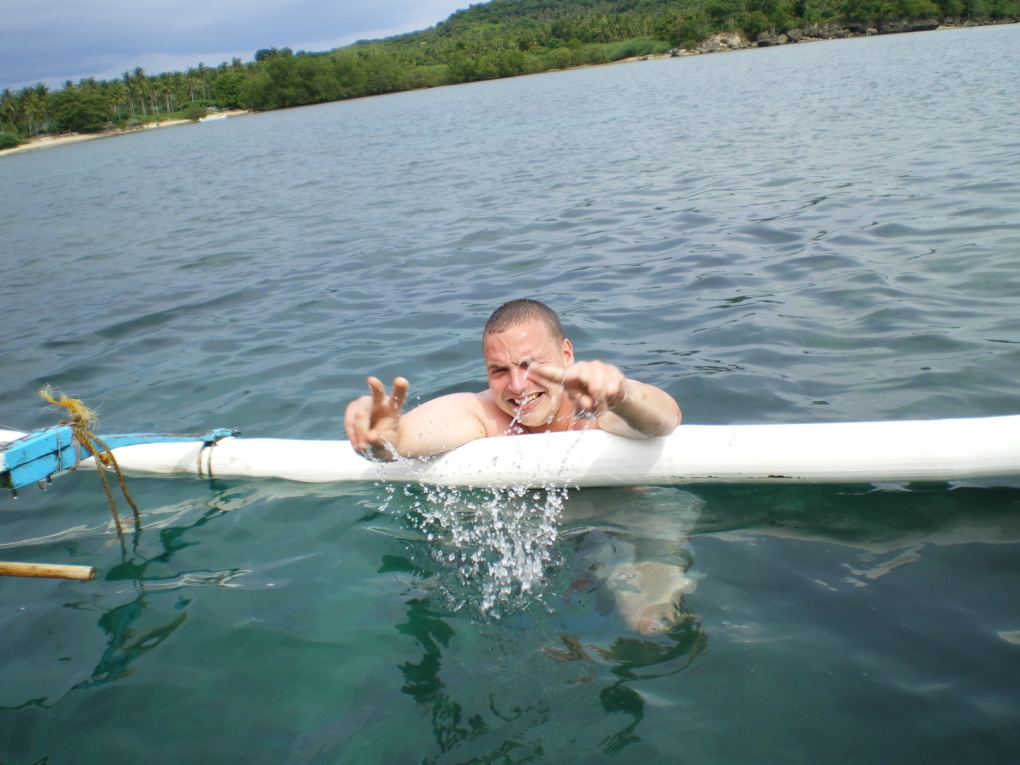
pixel 39 456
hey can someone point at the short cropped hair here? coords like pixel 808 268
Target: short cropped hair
pixel 520 311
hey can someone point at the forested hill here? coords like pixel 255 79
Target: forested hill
pixel 500 38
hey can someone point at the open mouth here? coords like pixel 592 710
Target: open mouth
pixel 525 402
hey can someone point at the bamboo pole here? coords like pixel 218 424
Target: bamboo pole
pixel 50 570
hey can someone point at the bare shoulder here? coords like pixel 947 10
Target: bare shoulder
pixel 457 405
pixel 474 407
pixel 496 421
pixel 456 418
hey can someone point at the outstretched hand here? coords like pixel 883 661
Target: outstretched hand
pixel 373 422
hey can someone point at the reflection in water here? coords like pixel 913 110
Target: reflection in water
pixel 130 636
pixel 632 659
pixel 129 639
pixel 571 662
pixel 582 653
pixel 423 683
pixel 498 727
pixel 132 628
pixel 887 526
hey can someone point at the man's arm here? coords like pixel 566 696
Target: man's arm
pixel 644 411
pixel 621 406
pixel 376 426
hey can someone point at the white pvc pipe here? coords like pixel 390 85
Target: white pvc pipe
pixel 868 452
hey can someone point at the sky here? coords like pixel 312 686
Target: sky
pixel 52 41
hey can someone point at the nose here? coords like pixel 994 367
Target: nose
pixel 518 379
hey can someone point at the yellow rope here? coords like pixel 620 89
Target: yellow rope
pixel 83 422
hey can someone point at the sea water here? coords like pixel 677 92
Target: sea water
pixel 820 232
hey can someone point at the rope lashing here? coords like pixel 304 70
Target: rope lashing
pixel 83 422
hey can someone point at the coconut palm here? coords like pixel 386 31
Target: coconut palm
pixel 33 108
pixel 129 91
pixel 8 107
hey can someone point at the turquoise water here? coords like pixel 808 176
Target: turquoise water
pixel 822 232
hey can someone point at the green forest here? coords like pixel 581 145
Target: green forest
pixel 500 38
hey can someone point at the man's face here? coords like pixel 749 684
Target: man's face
pixel 509 357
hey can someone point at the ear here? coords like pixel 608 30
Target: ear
pixel 568 351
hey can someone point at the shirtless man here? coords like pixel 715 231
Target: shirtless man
pixel 535 386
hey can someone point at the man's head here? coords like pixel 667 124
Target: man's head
pixel 520 335
pixel 521 311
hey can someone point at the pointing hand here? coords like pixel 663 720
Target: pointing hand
pixel 594 387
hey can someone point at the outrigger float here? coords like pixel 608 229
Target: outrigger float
pixel 857 452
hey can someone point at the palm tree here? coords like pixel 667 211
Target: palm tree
pixel 175 90
pixel 8 107
pixel 152 90
pixel 129 89
pixel 42 93
pixel 33 110
pixel 141 86
pixel 204 75
pixel 115 94
pixel 166 86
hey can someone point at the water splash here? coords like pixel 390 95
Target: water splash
pixel 501 542
pixel 497 545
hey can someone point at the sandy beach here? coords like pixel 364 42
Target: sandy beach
pixel 48 141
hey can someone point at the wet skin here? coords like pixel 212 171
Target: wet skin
pixel 535 385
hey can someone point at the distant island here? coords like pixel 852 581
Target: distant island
pixel 501 38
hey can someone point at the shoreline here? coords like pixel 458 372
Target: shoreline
pixel 49 142
pixel 730 41
pixel 718 43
